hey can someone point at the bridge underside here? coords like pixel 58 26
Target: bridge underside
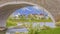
pixel 53 6
pixel 5 11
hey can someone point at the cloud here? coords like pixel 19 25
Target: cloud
pixel 30 10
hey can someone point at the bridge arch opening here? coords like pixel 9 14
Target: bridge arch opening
pixel 29 8
pixel 10 7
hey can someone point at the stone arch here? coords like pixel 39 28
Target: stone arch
pixel 9 7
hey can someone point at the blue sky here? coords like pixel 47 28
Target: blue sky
pixel 29 10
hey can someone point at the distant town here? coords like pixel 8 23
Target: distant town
pixel 32 18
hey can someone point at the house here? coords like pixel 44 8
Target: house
pixel 41 16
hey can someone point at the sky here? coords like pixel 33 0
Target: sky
pixel 29 10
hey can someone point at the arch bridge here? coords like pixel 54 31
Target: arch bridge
pixel 7 7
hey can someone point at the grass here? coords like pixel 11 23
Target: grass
pixel 10 22
pixel 36 30
pixel 48 31
pixel 13 22
pixel 35 20
pixel 45 30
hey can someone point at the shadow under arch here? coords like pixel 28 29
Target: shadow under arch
pixel 8 8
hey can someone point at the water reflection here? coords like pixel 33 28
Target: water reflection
pixel 25 30
pixel 13 31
